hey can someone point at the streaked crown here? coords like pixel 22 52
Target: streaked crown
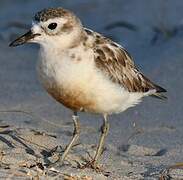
pixel 51 13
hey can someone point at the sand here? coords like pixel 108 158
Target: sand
pixel 143 141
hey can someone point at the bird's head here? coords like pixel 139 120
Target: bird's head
pixel 52 27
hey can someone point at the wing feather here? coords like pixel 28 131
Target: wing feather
pixel 116 63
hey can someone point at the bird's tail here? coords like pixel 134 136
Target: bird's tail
pixel 159 93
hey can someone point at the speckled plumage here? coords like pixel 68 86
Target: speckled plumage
pixel 51 13
pixel 118 65
pixel 85 71
pixel 108 60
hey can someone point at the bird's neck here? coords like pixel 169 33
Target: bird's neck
pixel 62 50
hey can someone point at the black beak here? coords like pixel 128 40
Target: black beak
pixel 23 39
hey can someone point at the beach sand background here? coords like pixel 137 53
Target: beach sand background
pixel 142 142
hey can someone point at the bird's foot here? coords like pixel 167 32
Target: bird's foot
pixel 92 165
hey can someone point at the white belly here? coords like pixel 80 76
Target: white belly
pixel 80 86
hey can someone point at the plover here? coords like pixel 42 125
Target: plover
pixel 85 71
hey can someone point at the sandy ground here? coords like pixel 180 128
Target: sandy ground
pixel 152 32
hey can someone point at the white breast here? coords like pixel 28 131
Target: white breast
pixel 60 70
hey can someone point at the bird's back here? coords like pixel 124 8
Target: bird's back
pixel 116 63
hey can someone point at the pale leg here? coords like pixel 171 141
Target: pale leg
pixel 104 132
pixel 75 135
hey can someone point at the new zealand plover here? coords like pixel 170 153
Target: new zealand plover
pixel 85 71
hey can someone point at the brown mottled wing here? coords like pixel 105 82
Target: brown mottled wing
pixel 118 65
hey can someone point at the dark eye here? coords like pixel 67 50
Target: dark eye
pixel 52 26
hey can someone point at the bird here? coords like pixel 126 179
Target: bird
pixel 85 71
